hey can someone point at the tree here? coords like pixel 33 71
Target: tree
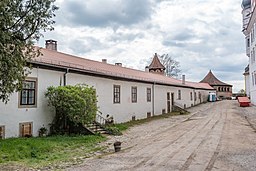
pixel 241 91
pixel 74 105
pixel 22 22
pixel 172 67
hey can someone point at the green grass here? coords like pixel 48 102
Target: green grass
pixel 124 126
pixel 40 152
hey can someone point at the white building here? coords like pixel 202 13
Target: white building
pixel 124 93
pixel 249 30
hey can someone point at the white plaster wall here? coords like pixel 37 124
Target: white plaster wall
pixel 247 85
pixel 252 70
pixel 160 98
pixel 124 111
pixel 11 115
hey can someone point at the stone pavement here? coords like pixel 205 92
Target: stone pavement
pixel 250 114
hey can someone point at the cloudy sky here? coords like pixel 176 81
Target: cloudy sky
pixel 200 34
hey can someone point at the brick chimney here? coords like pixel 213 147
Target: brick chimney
pixel 183 79
pixel 51 44
pixel 104 61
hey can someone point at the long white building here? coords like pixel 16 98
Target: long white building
pixel 122 92
pixel 249 30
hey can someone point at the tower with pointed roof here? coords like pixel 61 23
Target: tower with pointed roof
pixel 223 90
pixel 156 66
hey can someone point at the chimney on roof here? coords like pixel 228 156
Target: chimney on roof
pixel 104 61
pixel 118 64
pixel 51 44
pixel 146 69
pixel 183 79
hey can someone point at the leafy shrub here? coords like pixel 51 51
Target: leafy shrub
pixel 74 105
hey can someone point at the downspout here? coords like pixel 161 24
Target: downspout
pixel 64 83
pixel 65 77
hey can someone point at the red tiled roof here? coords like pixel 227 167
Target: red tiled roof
pixel 156 64
pixel 212 80
pixel 54 58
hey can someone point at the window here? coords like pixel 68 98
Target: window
pixel 2 132
pixel 248 42
pixel 134 94
pixel 28 93
pixel 148 114
pixel 195 96
pixel 148 94
pixel 253 55
pixel 117 90
pixel 26 129
pixel 191 96
pixel 179 94
pixel 252 79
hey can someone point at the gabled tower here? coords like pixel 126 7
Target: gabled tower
pixel 156 66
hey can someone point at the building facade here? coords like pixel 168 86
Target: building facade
pixel 223 90
pixel 122 92
pixel 249 31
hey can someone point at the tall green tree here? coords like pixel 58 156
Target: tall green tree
pixel 21 23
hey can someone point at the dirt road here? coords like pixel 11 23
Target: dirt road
pixel 216 136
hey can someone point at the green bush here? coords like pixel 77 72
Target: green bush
pixel 74 105
pixel 113 130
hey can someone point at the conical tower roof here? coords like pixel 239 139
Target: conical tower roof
pixel 156 64
pixel 213 81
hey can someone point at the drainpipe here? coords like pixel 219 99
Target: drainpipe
pixel 153 99
pixel 65 77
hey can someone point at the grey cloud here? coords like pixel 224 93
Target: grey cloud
pixel 85 45
pixel 118 37
pixel 105 13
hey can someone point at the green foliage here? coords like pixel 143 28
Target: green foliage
pixel 21 23
pixel 113 130
pixel 73 104
pixel 39 152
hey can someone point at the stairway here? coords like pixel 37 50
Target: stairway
pixel 177 108
pixel 96 128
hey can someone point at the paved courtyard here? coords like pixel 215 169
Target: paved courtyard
pixel 215 136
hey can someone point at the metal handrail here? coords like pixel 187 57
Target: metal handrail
pixel 100 119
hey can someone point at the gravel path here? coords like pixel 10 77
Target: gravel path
pixel 215 136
